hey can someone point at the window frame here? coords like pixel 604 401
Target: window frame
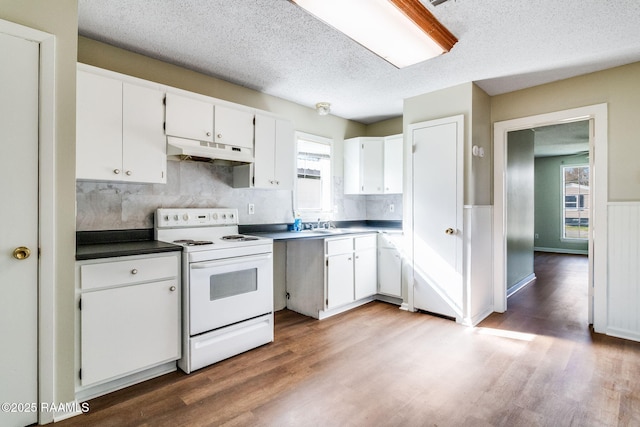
pixel 313 214
pixel 579 202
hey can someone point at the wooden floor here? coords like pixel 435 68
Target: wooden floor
pixel 536 365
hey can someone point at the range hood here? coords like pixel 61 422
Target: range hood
pixel 190 149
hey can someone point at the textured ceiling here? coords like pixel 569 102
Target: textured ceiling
pixel 561 140
pixel 274 47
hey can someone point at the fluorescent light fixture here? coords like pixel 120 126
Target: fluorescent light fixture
pixel 403 32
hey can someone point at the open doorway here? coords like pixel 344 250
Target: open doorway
pixel 548 214
pixel 597 117
pixel 548 195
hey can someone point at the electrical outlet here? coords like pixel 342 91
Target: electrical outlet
pixel 392 208
pixel 251 208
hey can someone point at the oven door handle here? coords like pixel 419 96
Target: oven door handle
pixel 229 261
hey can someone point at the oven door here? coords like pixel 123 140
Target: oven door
pixel 230 290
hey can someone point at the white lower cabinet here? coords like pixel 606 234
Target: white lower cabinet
pixel 339 271
pixel 327 277
pixel 364 266
pixel 389 268
pixel 129 318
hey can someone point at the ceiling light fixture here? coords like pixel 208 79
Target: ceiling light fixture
pixel 403 32
pixel 323 108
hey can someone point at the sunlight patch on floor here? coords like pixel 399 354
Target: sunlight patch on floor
pixel 521 336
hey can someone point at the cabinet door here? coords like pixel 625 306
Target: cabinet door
pixel 285 155
pixel 393 148
pixel 265 158
pixel 144 153
pixel 189 118
pixel 234 127
pixel 98 127
pixel 128 328
pixel 371 166
pixel 366 277
pixel 339 280
pixel 352 166
pixel 389 272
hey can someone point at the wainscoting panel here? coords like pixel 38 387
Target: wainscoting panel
pixel 624 270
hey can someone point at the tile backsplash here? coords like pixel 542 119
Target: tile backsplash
pixel 116 206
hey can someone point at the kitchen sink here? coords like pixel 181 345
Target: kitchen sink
pixel 323 231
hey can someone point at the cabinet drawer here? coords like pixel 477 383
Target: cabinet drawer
pixel 93 276
pixel 339 246
pixel 365 242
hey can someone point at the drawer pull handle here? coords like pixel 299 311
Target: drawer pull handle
pixel 134 271
pixel 172 289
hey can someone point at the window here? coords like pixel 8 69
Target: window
pixel 575 212
pixel 313 179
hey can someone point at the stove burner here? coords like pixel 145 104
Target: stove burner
pixel 189 242
pixel 239 238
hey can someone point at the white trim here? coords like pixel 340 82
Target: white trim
pixel 561 250
pixel 47 211
pixel 598 233
pixel 521 284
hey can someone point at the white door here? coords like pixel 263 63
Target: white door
pixel 437 215
pixel 19 229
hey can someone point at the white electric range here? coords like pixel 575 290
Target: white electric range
pixel 227 278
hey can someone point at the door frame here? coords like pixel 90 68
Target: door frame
pixel 598 143
pixel 46 210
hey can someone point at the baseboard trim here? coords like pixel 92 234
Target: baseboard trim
pixel 562 251
pixel 521 284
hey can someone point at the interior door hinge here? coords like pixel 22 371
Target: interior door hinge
pixel 327 262
pixel 80 373
pixel 80 304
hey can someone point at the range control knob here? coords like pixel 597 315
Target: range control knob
pixel 185 217
pixel 176 217
pixel 224 216
pixel 214 216
pixel 231 216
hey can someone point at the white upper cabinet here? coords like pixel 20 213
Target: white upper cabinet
pixel 233 127
pixel 393 147
pixel 274 153
pixel 363 165
pixel 204 121
pixel 373 165
pixel 120 134
pixel 189 118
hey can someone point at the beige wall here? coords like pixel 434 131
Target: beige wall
pixel 474 104
pixel 385 127
pixel 620 89
pixel 59 18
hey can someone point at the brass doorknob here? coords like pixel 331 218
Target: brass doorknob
pixel 449 231
pixel 21 252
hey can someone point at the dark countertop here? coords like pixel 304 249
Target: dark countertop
pixel 279 232
pixel 116 243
